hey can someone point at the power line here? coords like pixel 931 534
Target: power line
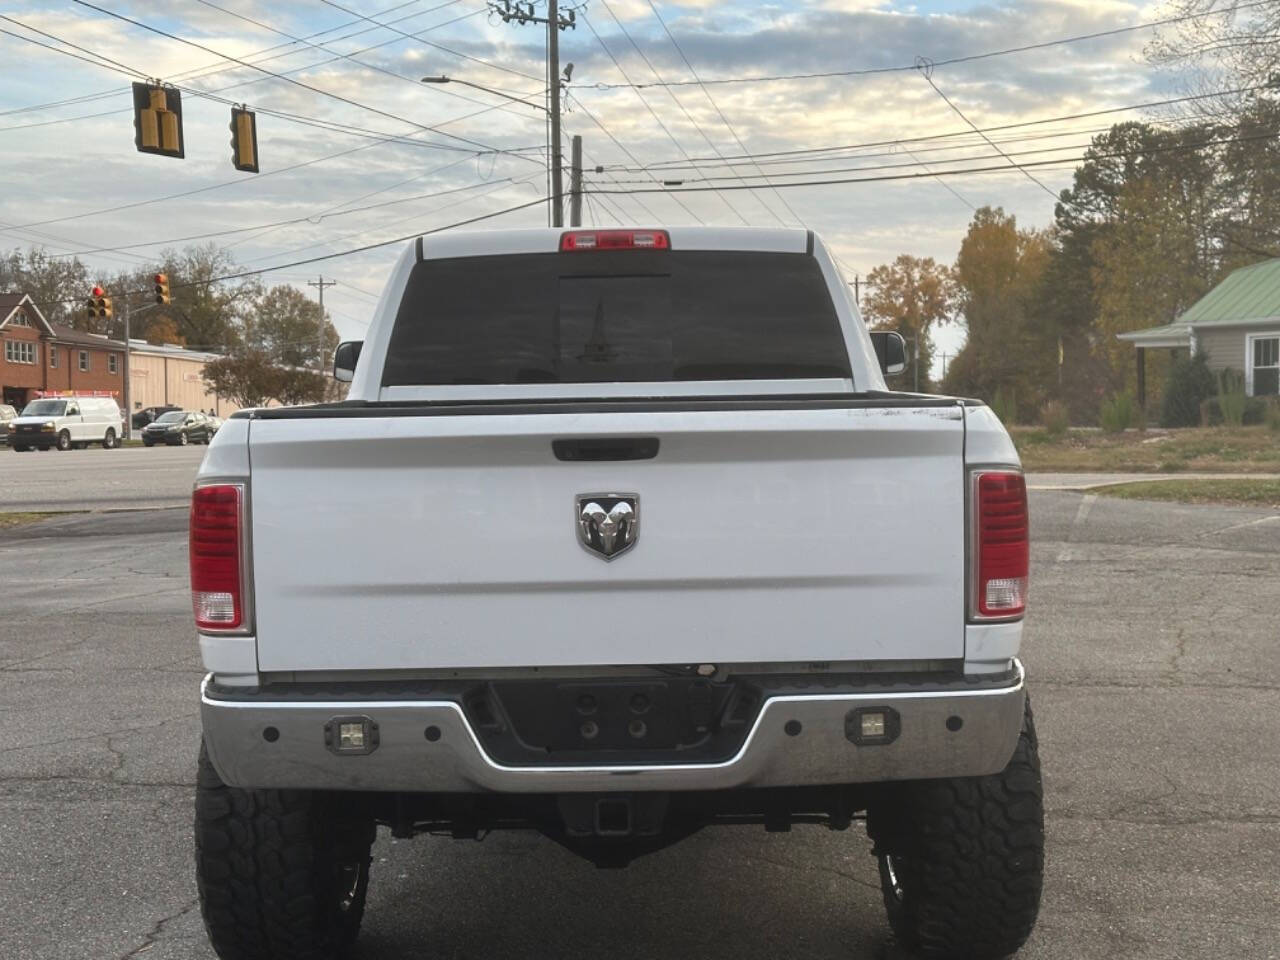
pixel 632 157
pixel 647 106
pixel 312 218
pixel 210 70
pixel 955 133
pixel 720 113
pixel 245 274
pixel 290 80
pixel 951 61
pixel 916 162
pixel 429 43
pixel 336 126
pixel 491 189
pixel 926 71
pixel 1056 163
pixel 676 100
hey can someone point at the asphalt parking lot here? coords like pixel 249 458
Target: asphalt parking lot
pixel 1152 653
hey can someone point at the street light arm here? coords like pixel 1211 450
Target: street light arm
pixel 496 93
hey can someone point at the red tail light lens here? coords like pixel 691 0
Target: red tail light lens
pixel 1002 545
pixel 582 240
pixel 216 587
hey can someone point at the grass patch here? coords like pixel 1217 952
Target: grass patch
pixel 1195 449
pixel 1244 491
pixel 8 520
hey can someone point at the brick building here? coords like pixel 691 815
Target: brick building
pixel 41 357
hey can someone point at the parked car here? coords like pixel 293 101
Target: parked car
pixel 149 414
pixel 67 422
pixel 215 423
pixel 820 614
pixel 178 428
pixel 7 415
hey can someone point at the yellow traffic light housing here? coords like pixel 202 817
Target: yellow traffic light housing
pixel 157 120
pixel 99 305
pixel 244 140
pixel 162 288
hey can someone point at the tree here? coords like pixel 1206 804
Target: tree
pixel 286 324
pixel 910 296
pixel 248 377
pixel 211 314
pixel 58 286
pixel 1237 48
pixel 301 386
pixel 998 273
pixel 162 329
pixel 1147 270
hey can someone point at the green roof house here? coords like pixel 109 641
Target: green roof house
pixel 1236 325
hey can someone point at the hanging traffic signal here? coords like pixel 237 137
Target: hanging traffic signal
pixel 98 306
pixel 157 120
pixel 244 140
pixel 162 288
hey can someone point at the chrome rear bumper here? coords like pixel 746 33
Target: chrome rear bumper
pixel 964 731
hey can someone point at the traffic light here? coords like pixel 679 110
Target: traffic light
pixel 162 288
pixel 244 140
pixel 98 306
pixel 157 120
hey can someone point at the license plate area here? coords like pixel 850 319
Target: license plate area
pixel 643 720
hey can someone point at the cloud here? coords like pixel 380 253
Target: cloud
pixel 67 168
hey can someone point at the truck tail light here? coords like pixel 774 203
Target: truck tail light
pixel 216 529
pixel 582 240
pixel 1001 545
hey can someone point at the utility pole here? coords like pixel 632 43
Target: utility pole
pixel 553 70
pixel 321 284
pixel 522 12
pixel 575 183
pixel 128 405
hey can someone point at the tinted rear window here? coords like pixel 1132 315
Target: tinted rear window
pixel 615 317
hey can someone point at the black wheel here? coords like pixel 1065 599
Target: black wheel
pixel 64 440
pixel 20 448
pixel 962 859
pixel 183 439
pixel 148 443
pixel 109 440
pixel 281 874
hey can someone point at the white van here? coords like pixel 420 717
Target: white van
pixel 66 422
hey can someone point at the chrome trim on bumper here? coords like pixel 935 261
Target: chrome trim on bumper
pixel 457 762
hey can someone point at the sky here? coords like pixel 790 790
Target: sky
pixel 354 150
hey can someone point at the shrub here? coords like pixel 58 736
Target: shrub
pixel 1272 413
pixel 1117 413
pixel 1190 383
pixel 1231 397
pixel 1005 406
pixel 1054 417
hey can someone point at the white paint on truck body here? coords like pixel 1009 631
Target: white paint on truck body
pixel 430 542
pixel 806 533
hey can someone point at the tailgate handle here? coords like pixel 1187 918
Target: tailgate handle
pixel 606 449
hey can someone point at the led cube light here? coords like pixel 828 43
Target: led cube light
pixel 872 726
pixel 351 736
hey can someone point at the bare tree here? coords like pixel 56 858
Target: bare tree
pixel 1222 45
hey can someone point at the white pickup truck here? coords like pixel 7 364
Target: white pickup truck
pixel 618 535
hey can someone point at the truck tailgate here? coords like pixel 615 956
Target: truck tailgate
pixel 798 535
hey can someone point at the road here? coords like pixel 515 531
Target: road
pixel 128 478
pixel 134 478
pixel 1151 648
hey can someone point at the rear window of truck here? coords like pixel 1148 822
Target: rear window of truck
pixel 626 316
